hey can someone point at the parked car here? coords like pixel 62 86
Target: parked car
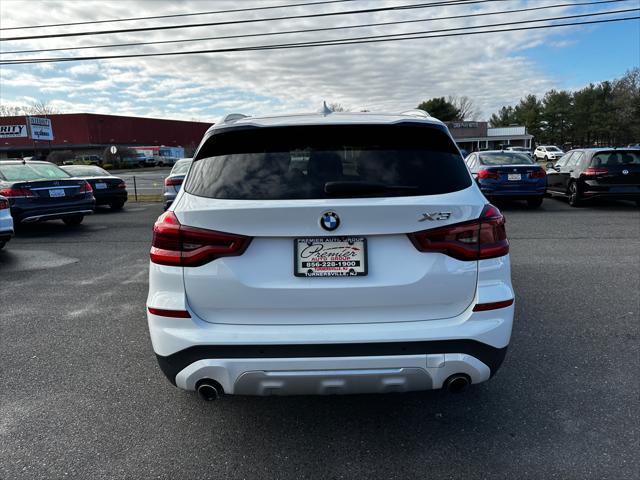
pixel 586 174
pixel 508 175
pixel 138 160
pixel 162 161
pixel 6 222
pixel 524 150
pixel 547 153
pixel 39 191
pixel 107 189
pixel 174 181
pixel 86 160
pixel 373 263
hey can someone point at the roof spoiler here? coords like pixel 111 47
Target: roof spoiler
pixel 232 117
pixel 416 112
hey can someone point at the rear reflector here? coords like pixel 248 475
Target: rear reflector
pixel 169 313
pixel 172 181
pixel 182 246
pixel 478 239
pixel 483 307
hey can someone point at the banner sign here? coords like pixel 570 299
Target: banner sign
pixel 11 131
pixel 40 128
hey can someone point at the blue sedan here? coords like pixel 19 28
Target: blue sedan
pixel 508 175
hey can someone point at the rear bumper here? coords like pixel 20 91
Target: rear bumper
pixel 169 197
pixel 36 213
pixel 5 236
pixel 514 194
pixel 332 369
pixel 399 356
pixel 615 195
pixel 110 197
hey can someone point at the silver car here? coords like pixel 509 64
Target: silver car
pixel 6 222
pixel 173 182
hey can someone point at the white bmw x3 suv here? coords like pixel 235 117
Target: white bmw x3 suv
pixel 329 253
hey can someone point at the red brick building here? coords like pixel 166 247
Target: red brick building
pixel 88 133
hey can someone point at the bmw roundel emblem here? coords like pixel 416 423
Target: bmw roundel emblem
pixel 329 221
pixel 625 172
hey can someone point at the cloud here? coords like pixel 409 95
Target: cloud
pixel 490 69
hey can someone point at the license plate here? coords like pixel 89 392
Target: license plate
pixel 56 192
pixel 514 176
pixel 101 186
pixel 330 257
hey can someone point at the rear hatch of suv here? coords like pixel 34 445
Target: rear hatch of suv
pixel 615 171
pixel 317 223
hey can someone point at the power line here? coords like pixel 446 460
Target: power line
pixel 311 30
pixel 315 44
pixel 176 15
pixel 438 3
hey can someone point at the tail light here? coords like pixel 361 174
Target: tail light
pixel 478 239
pixel 172 181
pixel 486 174
pixel 593 171
pixel 121 185
pixel 539 173
pixel 85 188
pixel 182 246
pixel 4 203
pixel 16 192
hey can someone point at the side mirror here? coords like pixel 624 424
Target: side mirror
pixel 550 166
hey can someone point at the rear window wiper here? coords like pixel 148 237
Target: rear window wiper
pixel 364 188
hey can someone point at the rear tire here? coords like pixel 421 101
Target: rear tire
pixel 116 205
pixel 534 202
pixel 2 244
pixel 575 199
pixel 73 220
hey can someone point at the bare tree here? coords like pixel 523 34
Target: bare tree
pixel 11 111
pixel 37 107
pixel 338 107
pixel 40 107
pixel 465 106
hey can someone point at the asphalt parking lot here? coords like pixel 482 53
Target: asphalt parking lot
pixel 149 181
pixel 82 396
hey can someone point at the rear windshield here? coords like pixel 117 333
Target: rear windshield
pixel 86 171
pixel 31 171
pixel 302 163
pixel 505 158
pixel 181 167
pixel 612 159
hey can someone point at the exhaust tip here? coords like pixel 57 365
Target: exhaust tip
pixel 457 383
pixel 208 390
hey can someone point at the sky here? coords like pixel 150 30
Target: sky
pixel 492 70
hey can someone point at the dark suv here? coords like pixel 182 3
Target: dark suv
pixel 585 174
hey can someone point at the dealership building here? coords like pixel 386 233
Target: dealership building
pixel 90 134
pixel 473 136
